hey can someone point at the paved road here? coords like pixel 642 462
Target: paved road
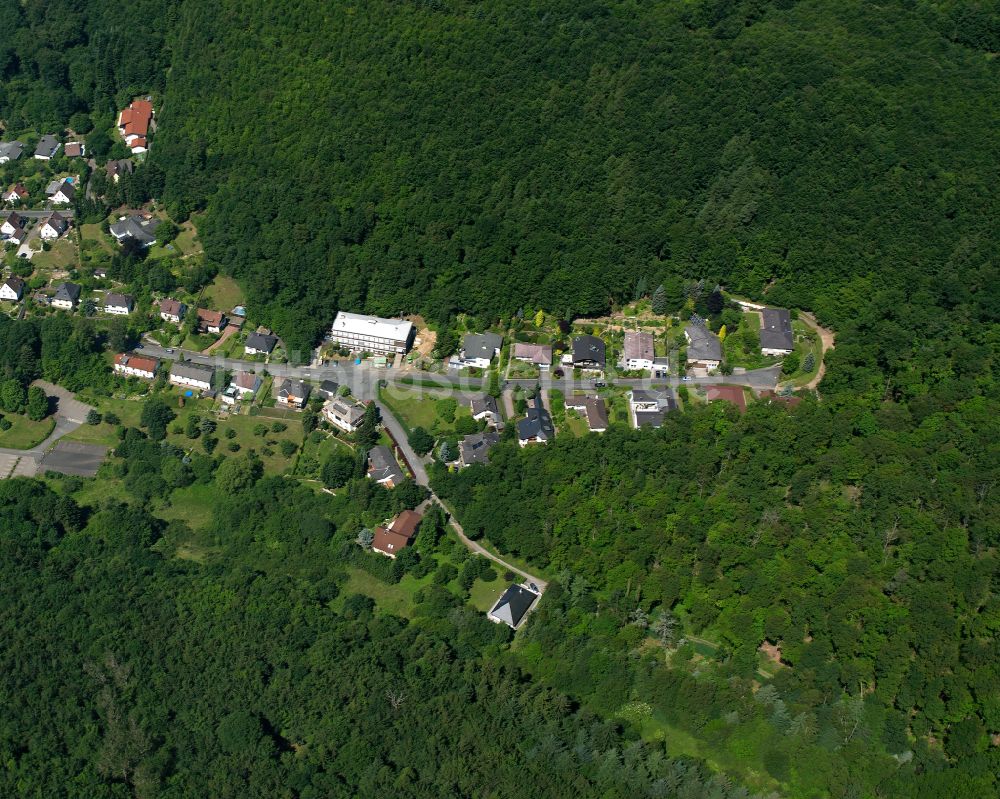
pixel 66 212
pixel 70 414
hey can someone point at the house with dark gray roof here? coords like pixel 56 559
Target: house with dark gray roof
pixel 513 606
pixel 328 389
pixel 592 409
pixel 484 407
pixel 194 375
pixel 136 227
pixel 776 332
pixel 47 147
pixel 475 448
pixel 118 304
pixel 66 296
pixel 260 344
pixel 342 413
pixel 115 169
pixel 479 349
pixel 10 151
pixel 588 352
pixel 383 468
pixel 293 393
pixel 536 427
pixel 61 192
pixel 704 349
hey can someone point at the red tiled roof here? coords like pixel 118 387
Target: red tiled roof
pixel 388 542
pixel 137 126
pixel 213 318
pixel 140 362
pixel 73 148
pixel 139 142
pixel 406 523
pixel 733 394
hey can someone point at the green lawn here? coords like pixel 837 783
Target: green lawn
pixel 483 596
pixel 62 255
pixel 223 294
pixel 802 332
pixel 24 433
pixel 314 453
pixel 128 412
pixel 397 599
pixel 192 505
pixel 187 240
pixel 419 408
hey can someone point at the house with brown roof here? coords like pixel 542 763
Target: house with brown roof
pixel 172 310
pixel 733 394
pixel 16 194
pixel 131 365
pixel 788 400
pixel 538 354
pixel 211 321
pixel 133 124
pixel 397 534
pixel 592 409
pixel 638 350
pixel 115 169
pixel 75 149
pixel 12 224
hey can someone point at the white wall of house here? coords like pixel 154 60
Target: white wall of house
pixel 48 232
pixel 133 372
pixel 117 310
pixel 189 382
pixel 7 293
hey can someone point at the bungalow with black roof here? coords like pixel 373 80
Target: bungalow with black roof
pixel 260 344
pixel 47 147
pixel 513 606
pixel 383 468
pixel 588 353
pixel 188 374
pixel 118 304
pixel 536 427
pixel 475 448
pixel 776 332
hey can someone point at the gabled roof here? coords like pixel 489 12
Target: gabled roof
pixel 352 412
pixel 193 371
pixel 73 149
pixel 14 218
pixel 259 341
pixel 776 329
pixel 247 381
pixel 329 388
pixel 141 362
pixel 18 190
pixel 383 466
pixel 511 607
pixel 476 448
pixel 64 186
pixel 733 394
pixel 388 542
pixel 67 291
pixel 171 307
pixel 136 227
pixel 15 283
pixel 537 424
pixel 588 348
pixel 638 346
pixel 211 318
pixel 481 345
pixel 406 523
pixel 703 344
pixel 47 145
pixel 483 404
pixel 113 300
pixel 593 408
pixel 296 389
pixel 539 354
pixel 11 149
pixel 119 167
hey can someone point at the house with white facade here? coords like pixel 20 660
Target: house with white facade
pixel 192 375
pixel 342 413
pixel 478 350
pixel 172 310
pixel 638 350
pixel 776 336
pixel 12 289
pixel 359 333
pixel 704 348
pixel 53 227
pixel 118 304
pixel 131 365
pixel 66 296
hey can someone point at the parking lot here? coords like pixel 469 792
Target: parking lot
pixel 72 457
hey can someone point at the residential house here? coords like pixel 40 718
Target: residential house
pixel 12 289
pixel 260 344
pixel 188 374
pixel 118 304
pixel 397 535
pixel 661 367
pixel 638 350
pixel 61 192
pixel 484 408
pixel 479 349
pixel 75 149
pixel 592 409
pixel 476 448
pixel 172 310
pixel 360 333
pixel 54 226
pixel 137 227
pixel 733 394
pixel 293 393
pixel 132 365
pixel 588 353
pixel 12 223
pixel 704 348
pixel 210 321
pixel 10 151
pixel 647 408
pixel 133 124
pixel 776 332
pixel 538 354
pixel 342 413
pixel 115 169
pixel 47 147
pixel 536 427
pixel 66 296
pixel 247 383
pixel 16 194
pixel 513 606
pixel 382 467
pixel 328 389
pixel 100 272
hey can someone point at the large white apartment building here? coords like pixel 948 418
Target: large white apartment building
pixel 360 333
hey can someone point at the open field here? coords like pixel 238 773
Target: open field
pixel 223 294
pixel 423 408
